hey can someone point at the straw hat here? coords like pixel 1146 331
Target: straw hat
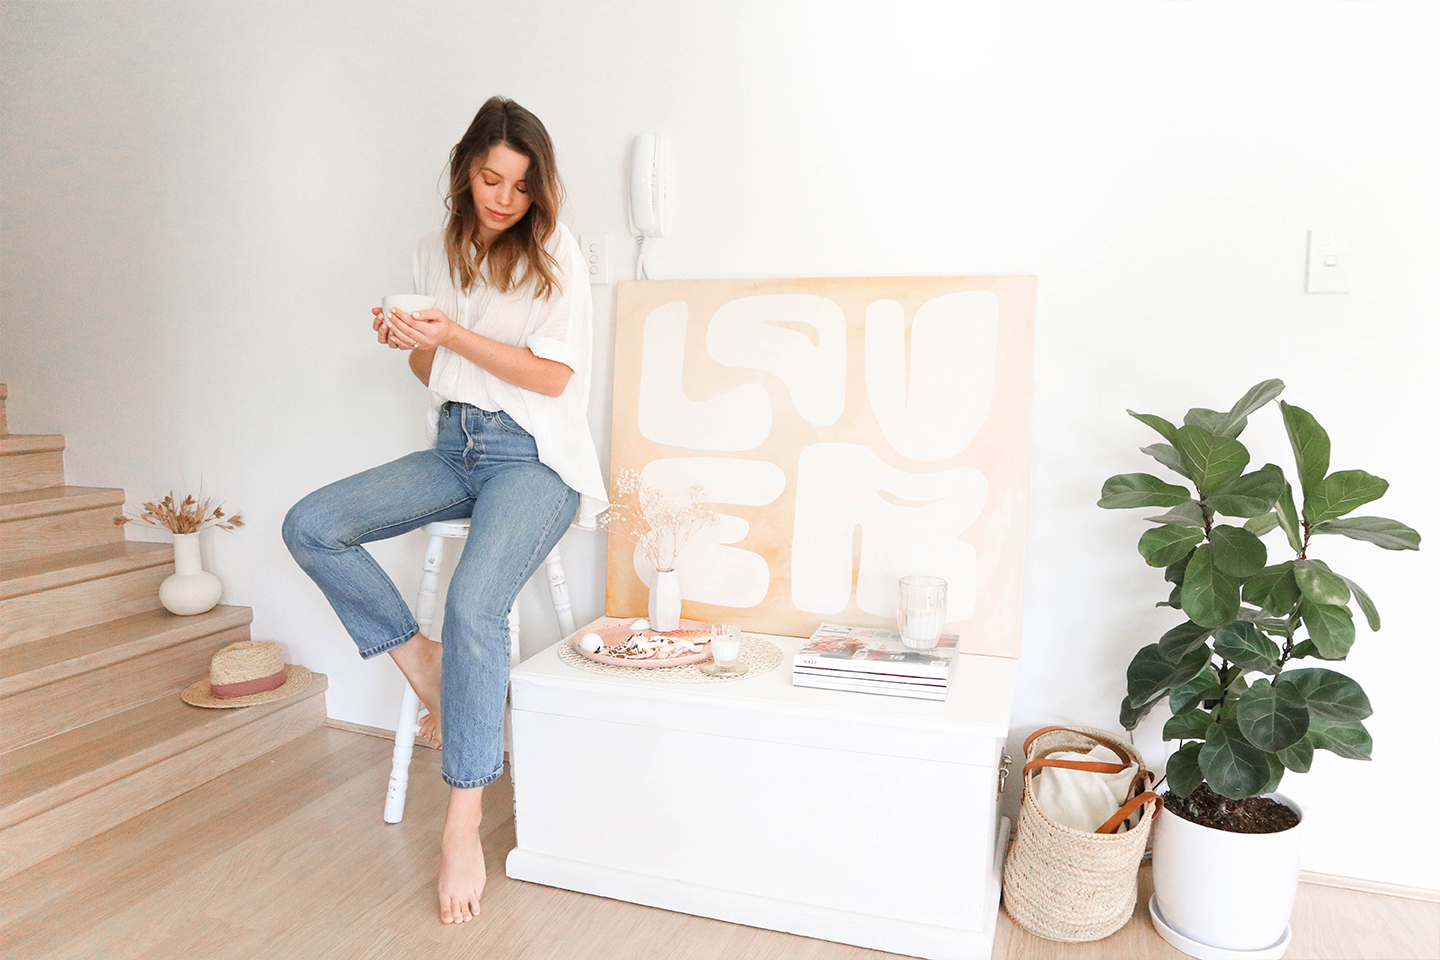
pixel 245 674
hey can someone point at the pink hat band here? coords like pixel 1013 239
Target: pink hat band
pixel 244 688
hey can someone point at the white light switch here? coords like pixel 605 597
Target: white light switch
pixel 596 248
pixel 1328 267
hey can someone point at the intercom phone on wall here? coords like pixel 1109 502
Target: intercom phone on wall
pixel 648 186
pixel 649 209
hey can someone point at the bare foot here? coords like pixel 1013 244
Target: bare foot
pixel 462 861
pixel 419 659
pixel 429 728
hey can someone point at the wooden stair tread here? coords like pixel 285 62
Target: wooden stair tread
pixel 13 443
pixel 24 504
pixel 38 662
pixel 77 566
pixel 49 772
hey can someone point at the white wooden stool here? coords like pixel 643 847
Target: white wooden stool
pixel 409 723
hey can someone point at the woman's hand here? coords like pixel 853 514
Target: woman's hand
pixel 382 330
pixel 421 330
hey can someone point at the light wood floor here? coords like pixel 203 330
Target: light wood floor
pixel 286 857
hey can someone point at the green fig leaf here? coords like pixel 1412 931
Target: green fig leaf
pixel 1262 524
pixel 1311 445
pixel 1318 585
pixel 1163 546
pixel 1255 398
pixel 1210 460
pixel 1346 739
pixel 1234 767
pixel 1273 716
pixel 1245 646
pixel 1237 552
pixel 1329 695
pixel 1390 534
pixel 1204 686
pixel 1160 425
pixel 1140 490
pixel 1208 596
pixel 1180 640
pixel 1182 770
pixel 1367 606
pixel 1185 515
pixel 1340 493
pixel 1250 494
pixel 1186 726
pixel 1331 627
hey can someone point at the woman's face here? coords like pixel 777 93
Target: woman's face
pixel 497 182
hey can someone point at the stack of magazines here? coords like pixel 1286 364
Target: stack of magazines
pixel 870 660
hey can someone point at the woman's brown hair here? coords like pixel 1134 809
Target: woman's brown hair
pixel 502 121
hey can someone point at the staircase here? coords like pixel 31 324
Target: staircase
pixel 92 727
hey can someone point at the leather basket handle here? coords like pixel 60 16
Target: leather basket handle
pixel 1112 744
pixel 1123 814
pixel 1089 766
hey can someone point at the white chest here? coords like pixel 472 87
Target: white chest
pixel 861 819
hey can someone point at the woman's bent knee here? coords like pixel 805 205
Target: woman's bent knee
pixel 304 529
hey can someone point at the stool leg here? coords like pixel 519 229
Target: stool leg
pixel 429 582
pixel 409 721
pixel 400 760
pixel 560 593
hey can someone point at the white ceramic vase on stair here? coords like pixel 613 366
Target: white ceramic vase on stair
pixel 190 590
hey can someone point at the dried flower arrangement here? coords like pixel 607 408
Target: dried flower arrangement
pixel 660 528
pixel 188 516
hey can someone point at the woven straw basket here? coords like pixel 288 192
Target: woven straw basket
pixel 1064 884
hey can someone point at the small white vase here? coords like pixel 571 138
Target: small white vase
pixel 665 601
pixel 189 590
pixel 1228 890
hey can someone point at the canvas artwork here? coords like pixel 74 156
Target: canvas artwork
pixel 848 432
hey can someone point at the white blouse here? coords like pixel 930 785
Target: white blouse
pixel 556 329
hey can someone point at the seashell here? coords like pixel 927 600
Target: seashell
pixel 590 643
pixel 640 623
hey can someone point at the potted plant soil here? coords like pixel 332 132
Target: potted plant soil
pixel 1247 673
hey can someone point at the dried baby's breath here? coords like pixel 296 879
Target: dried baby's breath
pixel 659 527
pixel 187 516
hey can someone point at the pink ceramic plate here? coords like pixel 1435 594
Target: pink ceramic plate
pixel 616 632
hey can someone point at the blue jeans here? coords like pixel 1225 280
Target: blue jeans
pixel 484 466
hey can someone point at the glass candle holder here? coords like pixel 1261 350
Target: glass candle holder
pixel 921 611
pixel 725 644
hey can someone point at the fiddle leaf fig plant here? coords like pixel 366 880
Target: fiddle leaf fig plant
pixel 1242 706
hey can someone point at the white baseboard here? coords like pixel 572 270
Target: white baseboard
pixel 369 731
pixel 1370 886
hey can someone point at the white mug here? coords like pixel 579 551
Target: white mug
pixel 408 302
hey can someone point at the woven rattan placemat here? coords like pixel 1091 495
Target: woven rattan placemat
pixel 760 656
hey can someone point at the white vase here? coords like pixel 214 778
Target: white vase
pixel 665 601
pixel 189 590
pixel 1228 890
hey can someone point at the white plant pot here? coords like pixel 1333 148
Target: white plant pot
pixel 1228 891
pixel 665 601
pixel 189 590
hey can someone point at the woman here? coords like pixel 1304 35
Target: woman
pixel 506 354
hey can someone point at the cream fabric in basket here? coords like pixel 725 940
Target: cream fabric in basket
pixel 1080 799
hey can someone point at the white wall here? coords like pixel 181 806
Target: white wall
pixel 201 202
